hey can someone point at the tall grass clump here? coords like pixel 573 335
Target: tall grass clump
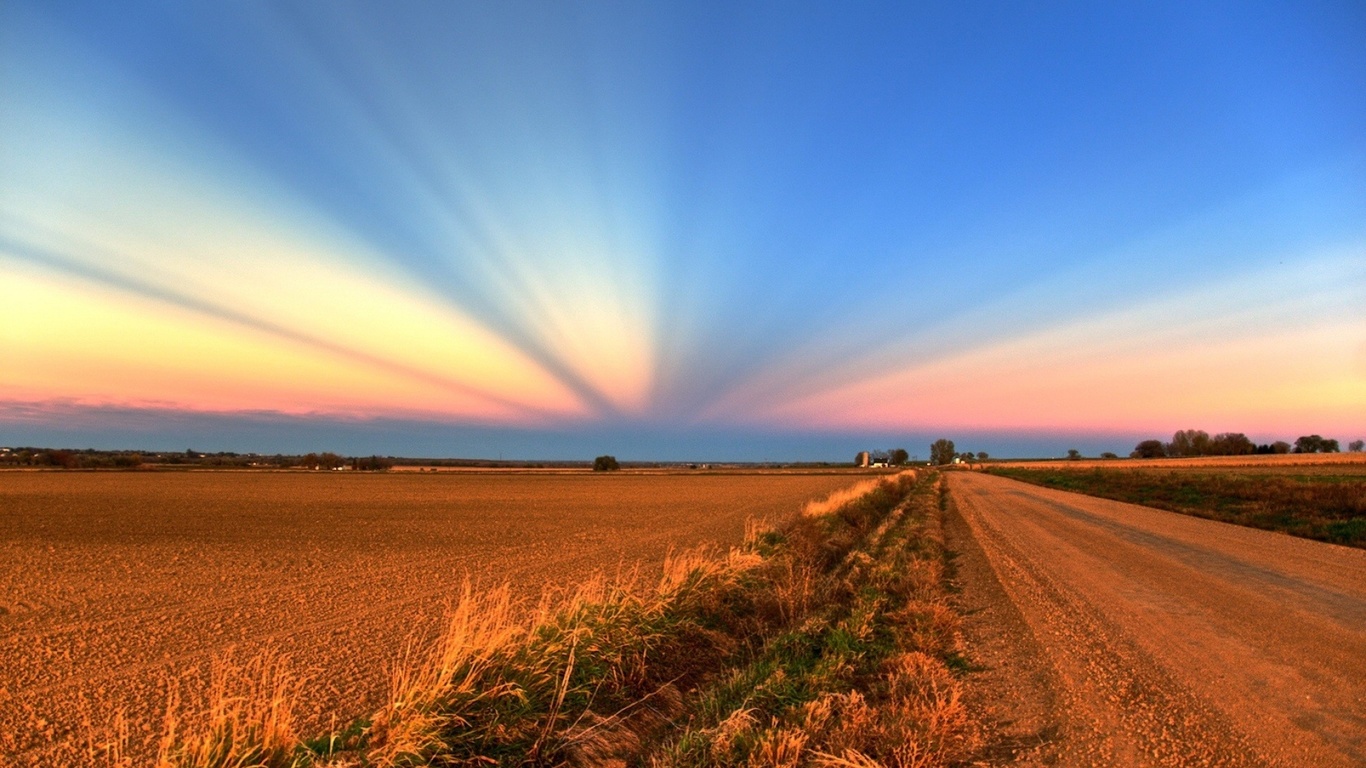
pixel 825 641
pixel 838 498
pixel 244 719
pixel 577 684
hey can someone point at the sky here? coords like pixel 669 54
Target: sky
pixel 762 231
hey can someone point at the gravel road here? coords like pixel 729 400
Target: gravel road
pixel 1107 633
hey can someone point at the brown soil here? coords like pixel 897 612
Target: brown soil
pixel 111 583
pixel 1112 634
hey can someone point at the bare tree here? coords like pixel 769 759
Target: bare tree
pixel 1190 442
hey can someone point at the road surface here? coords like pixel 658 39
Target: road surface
pixel 1107 633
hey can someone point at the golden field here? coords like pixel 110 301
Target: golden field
pixel 115 584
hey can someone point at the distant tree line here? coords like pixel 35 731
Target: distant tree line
pixel 325 460
pixel 70 459
pixel 1197 442
pixel 1186 442
pixel 943 451
pixel 90 458
pixel 371 464
pixel 329 460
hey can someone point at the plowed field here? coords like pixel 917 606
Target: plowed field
pixel 112 583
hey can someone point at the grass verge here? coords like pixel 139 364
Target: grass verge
pixel 1323 507
pixel 864 677
pixel 826 642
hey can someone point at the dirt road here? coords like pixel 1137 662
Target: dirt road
pixel 1114 634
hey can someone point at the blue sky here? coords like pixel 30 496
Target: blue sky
pixel 693 230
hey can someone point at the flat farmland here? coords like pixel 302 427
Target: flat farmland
pixel 112 584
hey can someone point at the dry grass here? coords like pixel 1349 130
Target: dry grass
pixel 843 496
pixel 105 744
pixel 248 720
pixel 826 642
pixel 838 498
